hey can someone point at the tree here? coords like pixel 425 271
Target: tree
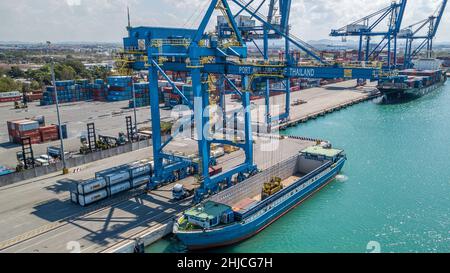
pixel 76 65
pixel 7 84
pixel 64 72
pixel 35 85
pixel 2 71
pixel 41 75
pixel 16 72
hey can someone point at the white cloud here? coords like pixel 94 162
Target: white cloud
pixel 73 2
pixel 105 20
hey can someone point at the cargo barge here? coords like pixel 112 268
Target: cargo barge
pixel 245 209
pixel 411 84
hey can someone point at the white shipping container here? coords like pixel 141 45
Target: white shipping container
pixel 85 200
pixel 140 181
pixel 140 170
pixel 116 178
pixel 74 197
pixel 28 125
pixel 119 188
pixel 91 185
pixel 10 94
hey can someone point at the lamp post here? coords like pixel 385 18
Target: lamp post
pixel 52 71
pixel 134 107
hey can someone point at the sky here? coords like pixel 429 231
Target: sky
pixel 105 20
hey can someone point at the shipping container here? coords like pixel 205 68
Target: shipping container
pixel 139 181
pixel 85 200
pixel 105 172
pixel 118 177
pixel 140 169
pixel 112 190
pixel 74 197
pixel 91 185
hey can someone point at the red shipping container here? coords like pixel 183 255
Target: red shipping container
pixel 175 96
pixel 167 89
pixel 49 128
pixel 10 99
pixel 49 137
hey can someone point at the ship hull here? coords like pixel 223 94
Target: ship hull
pixel 400 95
pixel 252 225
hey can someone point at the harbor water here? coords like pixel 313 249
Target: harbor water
pixel 393 194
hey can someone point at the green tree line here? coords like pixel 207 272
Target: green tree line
pixel 70 69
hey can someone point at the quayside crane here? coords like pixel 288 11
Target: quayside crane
pixel 206 56
pixel 374 25
pixel 415 33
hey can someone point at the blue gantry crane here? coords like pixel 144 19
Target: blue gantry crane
pixel 206 55
pixel 415 32
pixel 254 27
pixel 372 26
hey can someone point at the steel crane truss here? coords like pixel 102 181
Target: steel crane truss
pixel 201 55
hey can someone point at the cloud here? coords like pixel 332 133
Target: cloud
pixel 105 20
pixel 73 2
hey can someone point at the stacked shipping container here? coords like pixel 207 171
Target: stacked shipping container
pixel 24 128
pixel 142 95
pixel 34 128
pixel 112 181
pixel 99 90
pixel 10 96
pixel 119 88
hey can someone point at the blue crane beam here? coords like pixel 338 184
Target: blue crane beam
pixel 312 72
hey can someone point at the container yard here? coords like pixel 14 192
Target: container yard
pixel 187 136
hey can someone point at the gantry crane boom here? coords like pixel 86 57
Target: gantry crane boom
pixel 415 32
pixel 368 27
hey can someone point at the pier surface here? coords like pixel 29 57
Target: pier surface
pixel 38 216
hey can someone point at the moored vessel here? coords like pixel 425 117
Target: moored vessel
pixel 247 208
pixel 411 84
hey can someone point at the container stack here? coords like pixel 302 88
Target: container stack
pixel 110 182
pixel 84 92
pixel 34 128
pixel 142 95
pixel 119 88
pixel 68 91
pixel 10 96
pixel 99 90
pixel 24 128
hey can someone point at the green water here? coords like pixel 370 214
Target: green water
pixel 395 187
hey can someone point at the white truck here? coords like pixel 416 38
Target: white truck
pixel 180 191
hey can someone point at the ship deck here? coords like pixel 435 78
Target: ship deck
pixel 246 203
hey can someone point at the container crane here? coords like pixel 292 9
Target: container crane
pixel 368 27
pixel 258 27
pixel 205 55
pixel 414 33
